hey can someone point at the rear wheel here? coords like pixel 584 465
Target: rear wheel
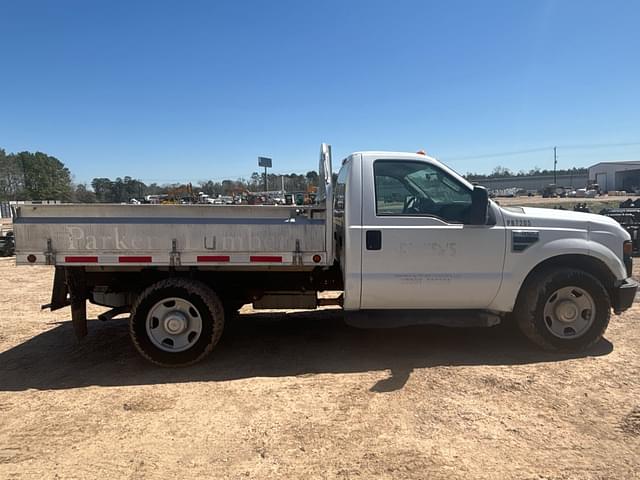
pixel 176 322
pixel 566 310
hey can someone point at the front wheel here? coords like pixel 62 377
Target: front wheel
pixel 176 322
pixel 566 310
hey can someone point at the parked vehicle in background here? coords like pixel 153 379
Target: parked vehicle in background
pixel 550 191
pixel 504 192
pixel 406 239
pixel 7 244
pixel 628 216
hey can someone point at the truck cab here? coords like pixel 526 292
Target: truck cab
pixel 413 235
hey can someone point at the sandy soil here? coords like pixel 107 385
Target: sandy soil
pixel 302 395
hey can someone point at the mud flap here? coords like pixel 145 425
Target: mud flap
pixel 59 293
pixel 79 318
pixel 77 288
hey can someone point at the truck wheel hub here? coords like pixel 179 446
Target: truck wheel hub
pixel 567 311
pixel 175 323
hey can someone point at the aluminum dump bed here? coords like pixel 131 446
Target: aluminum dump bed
pixel 208 236
pixel 185 235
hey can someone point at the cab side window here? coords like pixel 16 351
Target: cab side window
pixel 412 188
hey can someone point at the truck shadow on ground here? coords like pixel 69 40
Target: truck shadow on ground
pixel 266 345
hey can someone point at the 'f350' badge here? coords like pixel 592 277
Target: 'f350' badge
pixel 518 222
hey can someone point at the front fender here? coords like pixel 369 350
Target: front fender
pixel 519 265
pixel 609 258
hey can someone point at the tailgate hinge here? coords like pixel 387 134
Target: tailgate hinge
pixel 49 254
pixel 213 243
pixel 174 255
pixel 297 254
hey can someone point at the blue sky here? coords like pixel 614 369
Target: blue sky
pixel 192 90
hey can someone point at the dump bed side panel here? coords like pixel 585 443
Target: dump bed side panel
pixel 169 235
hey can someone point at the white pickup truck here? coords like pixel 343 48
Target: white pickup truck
pixel 406 239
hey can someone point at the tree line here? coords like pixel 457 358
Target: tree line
pixel 38 176
pixel 33 176
pixel 504 172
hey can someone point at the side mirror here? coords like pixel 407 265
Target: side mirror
pixel 479 206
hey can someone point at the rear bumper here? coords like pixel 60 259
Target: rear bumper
pixel 624 295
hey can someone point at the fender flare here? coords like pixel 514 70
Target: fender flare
pixel 583 254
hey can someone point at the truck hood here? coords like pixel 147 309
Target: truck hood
pixel 529 217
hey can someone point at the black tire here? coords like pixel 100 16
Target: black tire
pixel 201 297
pixel 539 287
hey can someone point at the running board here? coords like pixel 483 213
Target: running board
pixel 405 318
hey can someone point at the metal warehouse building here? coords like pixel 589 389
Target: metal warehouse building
pixel 616 175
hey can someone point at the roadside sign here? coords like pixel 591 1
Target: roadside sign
pixel 264 162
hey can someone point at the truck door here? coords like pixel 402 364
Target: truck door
pixel 417 251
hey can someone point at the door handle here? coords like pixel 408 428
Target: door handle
pixel 374 240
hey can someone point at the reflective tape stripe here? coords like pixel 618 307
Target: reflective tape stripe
pixel 79 259
pixel 265 259
pixel 133 259
pixel 161 259
pixel 213 258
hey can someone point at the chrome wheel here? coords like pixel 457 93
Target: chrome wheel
pixel 569 312
pixel 174 324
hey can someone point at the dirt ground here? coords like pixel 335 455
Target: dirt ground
pixel 301 395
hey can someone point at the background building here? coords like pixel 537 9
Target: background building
pixel 610 176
